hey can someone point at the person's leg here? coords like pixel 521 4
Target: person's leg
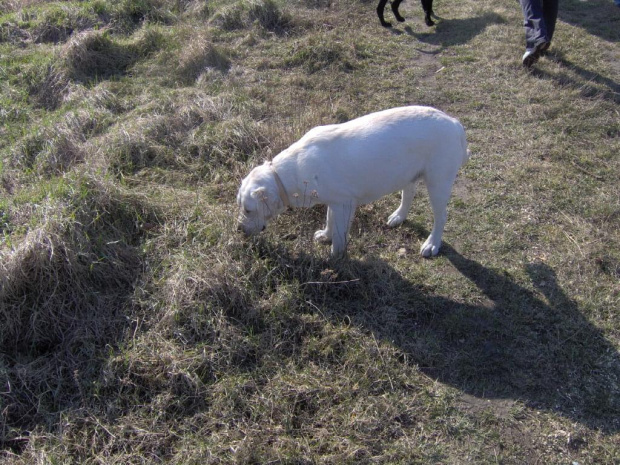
pixel 534 23
pixel 550 13
pixel 536 34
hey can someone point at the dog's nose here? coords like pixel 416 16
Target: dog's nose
pixel 264 226
pixel 239 228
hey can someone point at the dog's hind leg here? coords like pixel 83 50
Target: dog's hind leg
pixel 395 5
pixel 400 214
pixel 439 194
pixel 427 6
pixel 380 9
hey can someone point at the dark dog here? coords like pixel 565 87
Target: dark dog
pixel 427 6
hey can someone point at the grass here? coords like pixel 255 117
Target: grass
pixel 137 326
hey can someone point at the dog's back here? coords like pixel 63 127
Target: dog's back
pixel 381 152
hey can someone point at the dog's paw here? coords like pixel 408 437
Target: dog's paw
pixel 322 236
pixel 338 253
pixel 429 249
pixel 396 219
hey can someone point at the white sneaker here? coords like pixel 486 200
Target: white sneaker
pixel 531 56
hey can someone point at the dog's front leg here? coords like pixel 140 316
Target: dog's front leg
pixel 325 235
pixel 341 216
pixel 400 214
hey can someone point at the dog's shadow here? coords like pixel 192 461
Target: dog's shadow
pixel 451 32
pixel 513 344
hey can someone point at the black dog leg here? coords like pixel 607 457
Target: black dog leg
pixel 380 8
pixel 427 6
pixel 395 5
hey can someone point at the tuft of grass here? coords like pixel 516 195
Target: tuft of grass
pixel 198 56
pixel 57 22
pixel 316 55
pixel 95 55
pixel 267 14
pixel 63 143
pixel 48 22
pixel 63 285
pixel 60 270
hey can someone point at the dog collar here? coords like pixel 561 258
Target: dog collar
pixel 281 190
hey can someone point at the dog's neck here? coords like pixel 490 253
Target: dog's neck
pixel 281 189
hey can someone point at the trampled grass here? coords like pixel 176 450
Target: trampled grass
pixel 137 326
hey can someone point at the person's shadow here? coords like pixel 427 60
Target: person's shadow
pixel 599 17
pixel 588 83
pixel 450 32
pixel 602 19
pixel 512 344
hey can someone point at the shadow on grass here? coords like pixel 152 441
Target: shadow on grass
pixel 450 32
pixel 44 383
pixel 599 17
pixel 63 305
pixel 513 344
pixel 544 353
pixel 581 79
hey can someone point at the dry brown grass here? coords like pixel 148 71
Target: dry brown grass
pixel 137 326
pixel 93 54
pixel 63 289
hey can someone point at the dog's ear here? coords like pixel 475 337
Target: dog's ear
pixel 259 193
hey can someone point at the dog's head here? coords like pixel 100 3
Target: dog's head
pixel 259 200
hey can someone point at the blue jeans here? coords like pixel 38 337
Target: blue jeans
pixel 539 21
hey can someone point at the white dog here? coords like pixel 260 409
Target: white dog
pixel 357 162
